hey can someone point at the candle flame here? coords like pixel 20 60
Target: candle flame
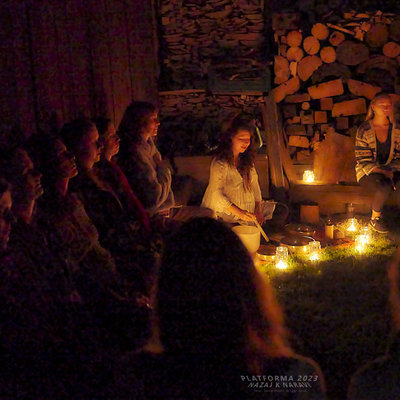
pixel 314 256
pixel 281 264
pixel 308 176
pixel 352 227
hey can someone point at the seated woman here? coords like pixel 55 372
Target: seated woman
pixel 233 191
pixel 142 164
pixel 217 317
pixel 119 230
pixel 377 151
pixel 35 306
pixel 113 174
pixel 71 234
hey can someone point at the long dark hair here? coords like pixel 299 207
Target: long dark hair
pixel 211 299
pixel 42 149
pixel 73 132
pixel 246 159
pixel 134 121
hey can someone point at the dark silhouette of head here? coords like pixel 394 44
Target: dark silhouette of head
pixel 212 301
pixel 135 121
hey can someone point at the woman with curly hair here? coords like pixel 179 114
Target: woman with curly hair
pixel 233 190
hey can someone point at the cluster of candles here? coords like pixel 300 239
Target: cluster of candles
pixel 363 238
pixel 311 251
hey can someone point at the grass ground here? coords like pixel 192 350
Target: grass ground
pixel 337 308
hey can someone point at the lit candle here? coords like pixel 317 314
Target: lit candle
pixel 360 243
pixel 314 248
pixel 308 176
pixel 352 225
pixel 367 234
pixel 281 257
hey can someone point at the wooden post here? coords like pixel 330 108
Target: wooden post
pixel 270 118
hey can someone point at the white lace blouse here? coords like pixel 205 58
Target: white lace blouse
pixel 226 187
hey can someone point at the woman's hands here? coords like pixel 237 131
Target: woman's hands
pixel 242 214
pixel 247 216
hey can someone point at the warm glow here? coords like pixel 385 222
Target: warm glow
pixel 281 264
pixel 352 225
pixel 314 249
pixel 308 176
pixel 360 243
pixel 366 232
pixel 281 257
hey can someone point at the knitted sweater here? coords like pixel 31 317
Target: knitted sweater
pixel 365 150
pixel 148 177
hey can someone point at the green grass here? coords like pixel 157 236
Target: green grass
pixel 337 308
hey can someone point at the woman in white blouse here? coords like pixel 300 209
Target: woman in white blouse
pixel 233 191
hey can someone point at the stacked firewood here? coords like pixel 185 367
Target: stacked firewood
pixel 199 103
pixel 192 119
pixel 199 34
pixel 326 77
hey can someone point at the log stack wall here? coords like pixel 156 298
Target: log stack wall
pixel 327 74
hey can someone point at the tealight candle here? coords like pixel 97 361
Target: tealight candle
pixel 314 248
pixel 281 257
pixel 367 234
pixel 360 243
pixel 308 176
pixel 352 225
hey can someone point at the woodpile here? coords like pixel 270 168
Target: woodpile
pixel 197 35
pixel 340 66
pixel 192 119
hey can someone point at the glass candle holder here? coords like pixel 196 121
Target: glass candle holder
pixel 352 225
pixel 360 243
pixel 308 176
pixel 281 257
pixel 314 250
pixel 366 231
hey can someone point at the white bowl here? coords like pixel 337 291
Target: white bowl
pixel 249 235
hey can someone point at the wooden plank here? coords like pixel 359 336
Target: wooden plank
pixel 307 117
pixel 270 119
pixel 327 89
pixel 295 129
pixel 320 117
pixel 287 88
pixel 299 141
pixel 297 98
pixel 350 107
pixel 326 103
pixel 359 88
